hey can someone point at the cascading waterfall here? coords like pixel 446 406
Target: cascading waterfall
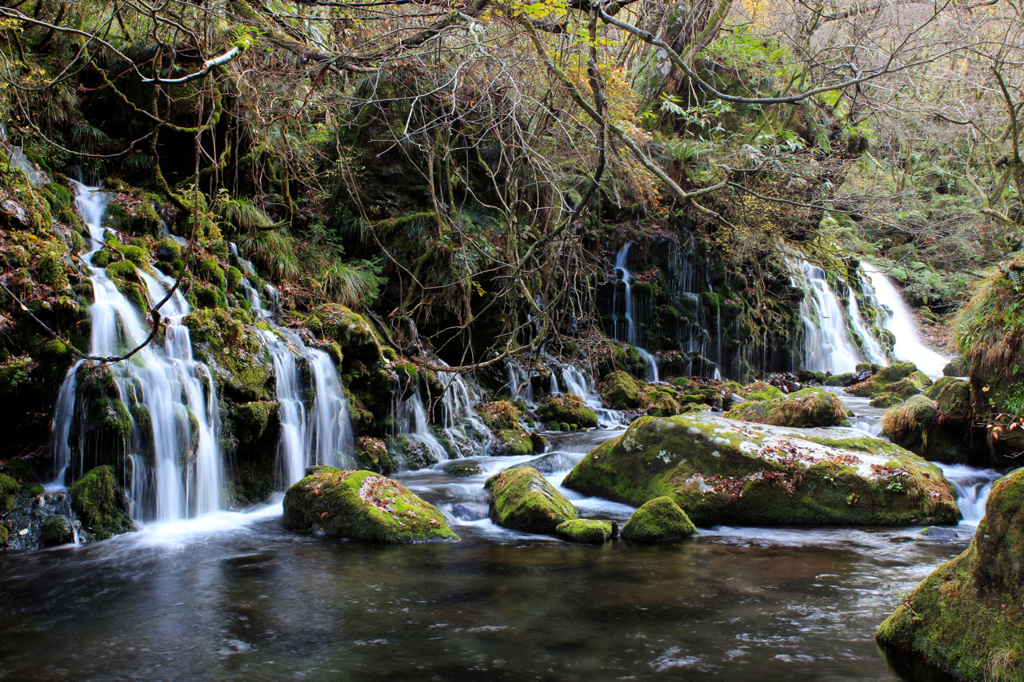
pixel 519 386
pixel 632 328
pixel 870 345
pixel 411 422
pixel 462 425
pixel 827 343
pixel 576 382
pixel 972 488
pixel 900 322
pixel 694 337
pixel 176 468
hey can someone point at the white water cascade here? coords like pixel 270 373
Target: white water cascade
pixel 176 466
pixel 519 386
pixel 632 331
pixel 972 488
pixel 412 423
pixel 318 434
pixel 900 322
pixel 576 382
pixel 827 343
pixel 872 349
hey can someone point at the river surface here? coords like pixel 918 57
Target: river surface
pixel 235 596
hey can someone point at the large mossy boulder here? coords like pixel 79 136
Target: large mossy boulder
pixel 567 409
pixel 806 407
pixel 522 499
pixel 511 443
pixel 723 471
pixel 936 425
pixel 101 504
pixel 901 379
pixel 621 391
pixel 658 519
pixel 967 617
pixel 361 505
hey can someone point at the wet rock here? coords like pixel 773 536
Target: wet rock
pixel 901 379
pixel 361 505
pixel 725 471
pixel 41 521
pixel 101 504
pixel 524 500
pixel 585 530
pixel 621 391
pixel 658 519
pixel 373 455
pixel 554 463
pixel 966 616
pixel 940 534
pixel 806 407
pixel 512 443
pixel 567 409
pixel 935 425
pixel 463 470
pixel 56 530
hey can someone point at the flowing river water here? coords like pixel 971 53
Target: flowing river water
pixel 233 596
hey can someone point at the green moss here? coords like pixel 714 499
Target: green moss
pixel 569 409
pixel 907 422
pixel 55 531
pixel 839 379
pixel 966 616
pixel 885 401
pixel 373 455
pixel 234 278
pixel 621 391
pixel 658 519
pixel 361 505
pixel 167 250
pixel 212 272
pixel 500 414
pixel 524 500
pixel 463 470
pixel 806 407
pixel 761 390
pixel 15 376
pixel 513 443
pixel 240 362
pixel 721 471
pixel 100 504
pixel 8 491
pixel 585 530
pixel 101 258
pixel 901 379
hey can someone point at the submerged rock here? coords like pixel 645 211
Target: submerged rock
pixel 724 471
pixel 806 407
pixel 361 505
pixel 524 500
pixel 585 530
pixel 658 519
pixel 101 504
pixel 967 617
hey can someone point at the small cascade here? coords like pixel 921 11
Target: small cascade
pixel 576 382
pixel 175 469
pixel 900 322
pixel 412 423
pixel 519 386
pixel 972 488
pixel 694 336
pixel 320 433
pixel 827 343
pixel 251 295
pixel 871 347
pixel 632 327
pixel 462 425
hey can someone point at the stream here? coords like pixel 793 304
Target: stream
pixel 234 596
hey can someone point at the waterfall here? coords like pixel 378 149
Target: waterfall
pixel 323 433
pixel 519 382
pixel 462 425
pixel 576 382
pixel 411 421
pixel 871 346
pixel 827 343
pixel 900 322
pixel 972 488
pixel 181 475
pixel 632 331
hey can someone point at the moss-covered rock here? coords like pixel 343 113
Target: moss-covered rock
pixel 966 616
pixel 511 443
pixel 56 530
pixel 938 429
pixel 373 455
pixel 100 504
pixel 464 470
pixel 500 414
pixel 761 390
pixel 240 362
pixel 361 505
pixel 621 391
pixel 901 378
pixel 723 471
pixel 8 491
pixel 662 404
pixel 567 409
pixel 840 379
pixel 658 519
pixel 585 530
pixel 523 500
pixel 885 401
pixel 806 407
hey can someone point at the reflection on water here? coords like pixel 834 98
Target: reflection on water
pixel 236 597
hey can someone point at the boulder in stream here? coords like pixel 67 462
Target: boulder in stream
pixel 567 409
pixel 936 425
pixel 585 530
pixel 658 519
pixel 720 470
pixel 967 617
pixel 361 505
pixel 806 407
pixel 901 379
pixel 524 500
pixel 101 504
pixel 621 391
